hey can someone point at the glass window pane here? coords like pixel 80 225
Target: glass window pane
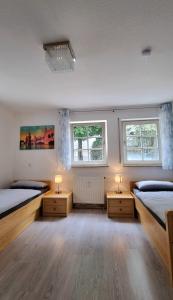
pixel 95 143
pixel 96 155
pixel 81 155
pixel 142 141
pixel 95 130
pixel 150 142
pixel 134 154
pixel 75 144
pixel 133 141
pixel 150 154
pixel 75 156
pixel 88 141
pixel 80 144
pixel 149 129
pixel 80 131
pixel 133 129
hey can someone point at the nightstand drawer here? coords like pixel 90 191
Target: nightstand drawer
pixel 120 210
pixel 52 201
pixel 57 209
pixel 120 202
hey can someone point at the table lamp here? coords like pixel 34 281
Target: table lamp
pixel 118 180
pixel 58 180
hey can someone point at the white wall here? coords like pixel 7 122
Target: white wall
pixel 7 146
pixel 42 164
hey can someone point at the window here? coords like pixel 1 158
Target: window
pixel 89 143
pixel 141 142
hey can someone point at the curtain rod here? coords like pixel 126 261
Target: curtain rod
pixel 114 109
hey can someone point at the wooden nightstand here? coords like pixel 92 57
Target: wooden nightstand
pixel 57 204
pixel 120 205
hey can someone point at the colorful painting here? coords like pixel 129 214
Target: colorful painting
pixel 37 137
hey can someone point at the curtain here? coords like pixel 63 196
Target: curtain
pixel 64 144
pixel 166 131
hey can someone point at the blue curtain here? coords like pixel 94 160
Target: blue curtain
pixel 166 130
pixel 64 143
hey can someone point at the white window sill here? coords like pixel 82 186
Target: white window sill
pixel 89 165
pixel 142 165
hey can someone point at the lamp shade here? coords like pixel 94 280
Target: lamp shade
pixel 118 178
pixel 58 178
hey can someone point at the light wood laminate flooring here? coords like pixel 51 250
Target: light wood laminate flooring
pixel 83 257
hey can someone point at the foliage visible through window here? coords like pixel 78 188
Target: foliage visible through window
pixel 141 141
pixel 88 142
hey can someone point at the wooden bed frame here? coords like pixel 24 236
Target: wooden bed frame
pixel 14 223
pixel 162 239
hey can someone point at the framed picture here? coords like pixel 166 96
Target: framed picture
pixel 37 137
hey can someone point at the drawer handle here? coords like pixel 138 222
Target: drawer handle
pixel 54 208
pixel 120 201
pixel 54 201
pixel 120 209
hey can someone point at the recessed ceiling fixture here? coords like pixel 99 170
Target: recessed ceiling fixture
pixel 147 51
pixel 60 56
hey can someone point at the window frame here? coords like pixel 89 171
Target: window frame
pixel 99 163
pixel 123 142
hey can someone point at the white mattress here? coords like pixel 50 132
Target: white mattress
pixel 158 202
pixel 11 198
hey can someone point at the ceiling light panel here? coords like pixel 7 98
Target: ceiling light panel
pixel 59 56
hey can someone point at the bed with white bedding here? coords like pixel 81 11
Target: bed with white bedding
pixel 20 205
pixel 154 204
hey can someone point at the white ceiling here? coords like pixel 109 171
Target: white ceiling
pixel 107 37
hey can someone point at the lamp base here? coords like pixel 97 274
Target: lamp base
pixel 58 192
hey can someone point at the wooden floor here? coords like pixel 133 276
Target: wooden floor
pixel 83 257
